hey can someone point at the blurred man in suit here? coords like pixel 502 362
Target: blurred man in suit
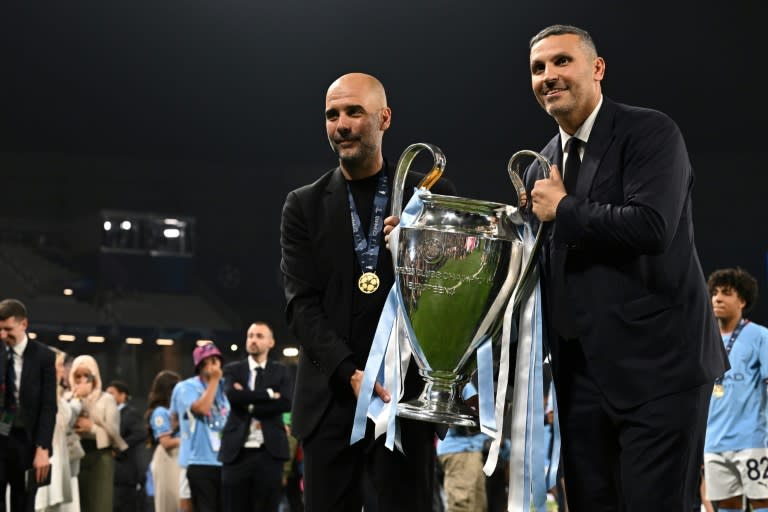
pixel 254 443
pixel 28 414
pixel 129 468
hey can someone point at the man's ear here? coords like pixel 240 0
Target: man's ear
pixel 386 118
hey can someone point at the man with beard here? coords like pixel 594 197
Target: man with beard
pixel 332 239
pixel 254 443
pixel 635 349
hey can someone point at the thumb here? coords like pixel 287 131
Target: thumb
pixel 383 393
pixel 554 173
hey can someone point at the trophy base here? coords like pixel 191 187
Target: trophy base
pixel 445 413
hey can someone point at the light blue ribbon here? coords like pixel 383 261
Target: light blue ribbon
pixel 485 385
pixel 390 346
pixel 530 479
pixel 386 339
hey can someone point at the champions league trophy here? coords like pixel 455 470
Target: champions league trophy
pixel 458 263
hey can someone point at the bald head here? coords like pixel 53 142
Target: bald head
pixel 356 117
pixel 362 84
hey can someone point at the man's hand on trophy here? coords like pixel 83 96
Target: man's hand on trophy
pixel 390 224
pixel 357 381
pixel 547 194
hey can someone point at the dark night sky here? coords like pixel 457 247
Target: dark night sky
pixel 215 109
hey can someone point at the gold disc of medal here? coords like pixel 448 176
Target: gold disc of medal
pixel 368 282
pixel 718 391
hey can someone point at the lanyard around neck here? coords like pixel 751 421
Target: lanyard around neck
pixel 367 250
pixel 731 341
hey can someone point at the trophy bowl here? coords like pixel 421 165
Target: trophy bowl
pixel 453 266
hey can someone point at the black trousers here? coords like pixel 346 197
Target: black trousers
pixel 254 481
pixel 205 487
pixel 126 498
pixel 638 459
pixel 343 478
pixel 16 456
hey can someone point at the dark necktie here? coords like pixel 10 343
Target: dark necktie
pixel 572 165
pixel 258 379
pixel 561 309
pixel 10 382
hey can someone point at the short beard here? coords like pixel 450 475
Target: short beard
pixel 363 154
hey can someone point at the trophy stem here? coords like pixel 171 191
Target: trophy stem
pixel 440 402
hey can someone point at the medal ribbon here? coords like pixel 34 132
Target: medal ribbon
pixel 388 358
pixel 367 250
pixel 729 346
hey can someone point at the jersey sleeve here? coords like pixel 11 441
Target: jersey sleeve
pixel 160 422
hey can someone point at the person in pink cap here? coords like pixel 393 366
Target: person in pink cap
pixel 202 408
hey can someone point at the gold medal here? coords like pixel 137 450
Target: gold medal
pixel 718 391
pixel 368 282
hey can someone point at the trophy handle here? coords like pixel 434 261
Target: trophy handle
pixel 404 164
pixel 525 283
pixel 513 169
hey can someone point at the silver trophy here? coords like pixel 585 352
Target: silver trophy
pixel 457 266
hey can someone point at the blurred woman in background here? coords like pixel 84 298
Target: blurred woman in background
pixel 164 435
pixel 98 426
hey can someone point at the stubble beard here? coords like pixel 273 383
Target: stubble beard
pixel 358 157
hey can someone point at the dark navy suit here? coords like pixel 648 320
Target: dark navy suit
pixel 634 365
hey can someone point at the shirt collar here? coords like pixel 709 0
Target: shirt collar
pixel 252 365
pixel 19 348
pixel 585 129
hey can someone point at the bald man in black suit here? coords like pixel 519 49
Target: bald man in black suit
pixel 334 320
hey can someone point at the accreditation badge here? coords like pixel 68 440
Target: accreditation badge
pixel 718 391
pixel 6 422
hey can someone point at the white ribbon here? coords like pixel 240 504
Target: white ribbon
pixel 529 479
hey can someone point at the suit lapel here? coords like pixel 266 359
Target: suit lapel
pixel 27 356
pixel 338 233
pixel 599 139
pixel 245 373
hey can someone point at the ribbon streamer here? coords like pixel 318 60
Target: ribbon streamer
pixel 391 352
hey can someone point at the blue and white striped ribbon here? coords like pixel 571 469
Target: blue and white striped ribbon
pixel 529 479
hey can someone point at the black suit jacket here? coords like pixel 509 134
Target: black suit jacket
pixel 247 404
pixel 133 430
pixel 320 272
pixel 632 273
pixel 37 393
